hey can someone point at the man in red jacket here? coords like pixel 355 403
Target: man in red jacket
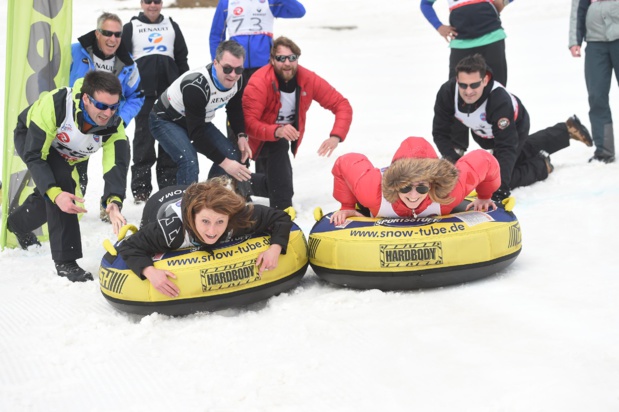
pixel 275 105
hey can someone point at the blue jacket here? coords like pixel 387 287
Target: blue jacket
pixel 125 68
pixel 257 46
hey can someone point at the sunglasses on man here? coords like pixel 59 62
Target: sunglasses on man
pixel 473 86
pixel 291 58
pixel 108 33
pixel 103 106
pixel 151 1
pixel 230 69
pixel 421 189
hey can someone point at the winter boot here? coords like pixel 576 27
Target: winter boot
pixel 603 159
pixel 72 271
pixel 25 240
pixel 546 158
pixel 140 198
pixel 244 189
pixel 578 131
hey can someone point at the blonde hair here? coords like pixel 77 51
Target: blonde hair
pixel 215 194
pixel 439 173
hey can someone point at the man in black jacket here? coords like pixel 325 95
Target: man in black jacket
pixel 159 48
pixel 498 122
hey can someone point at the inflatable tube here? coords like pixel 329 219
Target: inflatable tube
pixel 414 253
pixel 228 278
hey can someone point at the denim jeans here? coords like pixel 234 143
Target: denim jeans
pixel 601 59
pixel 175 141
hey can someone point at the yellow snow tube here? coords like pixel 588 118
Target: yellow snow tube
pixel 414 253
pixel 224 279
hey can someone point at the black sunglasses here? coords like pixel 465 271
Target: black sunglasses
pixel 473 86
pixel 108 33
pixel 230 69
pixel 421 189
pixel 103 106
pixel 291 58
pixel 152 1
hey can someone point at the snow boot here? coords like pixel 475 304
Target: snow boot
pixel 72 271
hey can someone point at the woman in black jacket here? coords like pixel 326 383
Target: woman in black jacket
pixel 205 215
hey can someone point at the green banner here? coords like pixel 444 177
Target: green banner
pixel 38 59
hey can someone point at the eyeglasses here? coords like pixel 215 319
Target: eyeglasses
pixel 291 58
pixel 421 189
pixel 103 106
pixel 108 33
pixel 230 69
pixel 473 86
pixel 151 1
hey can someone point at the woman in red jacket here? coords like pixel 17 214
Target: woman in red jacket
pixel 416 184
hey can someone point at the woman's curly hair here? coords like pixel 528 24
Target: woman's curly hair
pixel 215 194
pixel 439 173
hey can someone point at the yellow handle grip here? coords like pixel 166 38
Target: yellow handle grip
pixel 293 213
pixel 509 203
pixel 109 247
pixel 318 213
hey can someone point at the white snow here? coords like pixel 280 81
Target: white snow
pixel 542 335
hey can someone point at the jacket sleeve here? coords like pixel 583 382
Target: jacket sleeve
pixel 78 66
pixel 180 49
pixel 273 221
pixel 287 8
pixel 255 96
pixel 234 110
pixel 132 94
pixel 355 179
pixel 578 27
pixel 506 139
pixel 444 111
pixel 332 100
pixel 115 164
pixel 478 170
pixel 218 26
pixel 138 249
pixel 427 9
pixel 127 36
pixel 39 135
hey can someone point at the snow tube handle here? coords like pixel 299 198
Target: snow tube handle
pixel 109 247
pixel 318 213
pixel 509 203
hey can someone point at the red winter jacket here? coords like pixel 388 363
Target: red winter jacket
pixel 356 180
pixel 261 105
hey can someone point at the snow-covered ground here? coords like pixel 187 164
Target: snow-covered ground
pixel 540 336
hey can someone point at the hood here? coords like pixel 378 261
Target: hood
pixel 416 148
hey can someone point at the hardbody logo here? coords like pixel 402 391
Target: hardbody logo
pixel 229 276
pixel 411 255
pixel 112 281
pixel 515 236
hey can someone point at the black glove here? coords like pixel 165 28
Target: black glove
pixel 452 159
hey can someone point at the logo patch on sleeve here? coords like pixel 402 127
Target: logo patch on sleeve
pixel 503 123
